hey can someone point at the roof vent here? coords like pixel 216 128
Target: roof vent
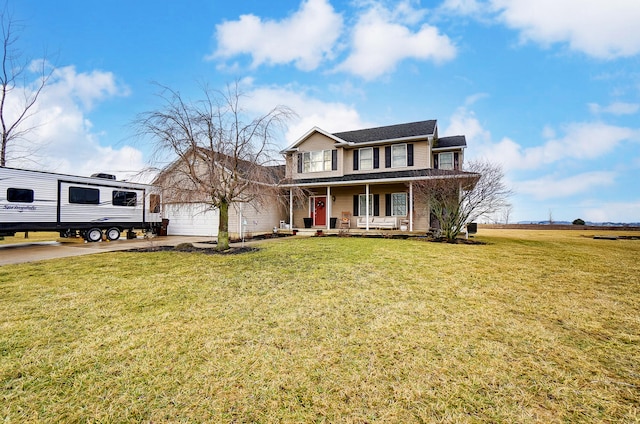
pixel 103 175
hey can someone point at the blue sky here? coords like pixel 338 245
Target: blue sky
pixel 549 89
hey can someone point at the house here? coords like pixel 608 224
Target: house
pixel 367 176
pixel 187 183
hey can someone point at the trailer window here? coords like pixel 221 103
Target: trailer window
pixel 154 203
pixel 21 195
pixel 84 196
pixel 124 198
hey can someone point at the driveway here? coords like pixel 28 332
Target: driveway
pixel 38 251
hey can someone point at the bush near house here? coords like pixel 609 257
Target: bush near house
pixel 535 326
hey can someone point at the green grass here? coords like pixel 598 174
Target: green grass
pixel 532 327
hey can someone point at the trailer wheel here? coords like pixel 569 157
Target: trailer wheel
pixel 93 235
pixel 113 234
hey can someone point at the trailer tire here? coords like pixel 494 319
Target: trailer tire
pixel 93 235
pixel 113 234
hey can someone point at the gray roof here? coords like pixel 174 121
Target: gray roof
pixel 453 141
pixel 391 132
pixel 400 175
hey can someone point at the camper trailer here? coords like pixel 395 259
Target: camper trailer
pixel 91 207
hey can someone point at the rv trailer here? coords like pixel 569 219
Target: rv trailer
pixel 74 205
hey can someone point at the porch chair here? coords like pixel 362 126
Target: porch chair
pixel 345 221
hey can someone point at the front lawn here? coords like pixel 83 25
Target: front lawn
pixel 531 327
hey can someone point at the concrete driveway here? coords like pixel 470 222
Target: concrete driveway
pixel 39 251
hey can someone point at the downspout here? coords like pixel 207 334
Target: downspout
pixel 366 207
pixel 328 211
pixel 411 206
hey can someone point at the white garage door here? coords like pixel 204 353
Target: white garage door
pixel 191 220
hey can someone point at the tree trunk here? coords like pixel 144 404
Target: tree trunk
pixel 223 227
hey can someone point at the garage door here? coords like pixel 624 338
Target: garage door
pixel 191 220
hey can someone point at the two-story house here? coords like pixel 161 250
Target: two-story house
pixel 364 178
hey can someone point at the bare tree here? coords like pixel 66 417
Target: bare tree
pixel 458 198
pixel 506 213
pixel 221 157
pixel 18 94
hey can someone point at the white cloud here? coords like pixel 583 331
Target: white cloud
pixel 464 7
pixel 312 112
pixel 306 38
pixel 612 212
pixel 602 29
pixel 616 108
pixel 553 186
pixel 582 141
pixel 381 38
pixel 62 138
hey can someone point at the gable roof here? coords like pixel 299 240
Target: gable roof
pixel 273 173
pixel 452 141
pixel 390 132
pixel 420 129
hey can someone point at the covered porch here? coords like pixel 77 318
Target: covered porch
pixel 383 207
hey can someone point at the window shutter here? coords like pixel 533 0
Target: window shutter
pixel 387 204
pixel 355 160
pixel 334 160
pixel 299 163
pixel 387 156
pixel 410 154
pixel 435 161
pixel 456 164
pixel 376 157
pixel 356 203
pixel 376 205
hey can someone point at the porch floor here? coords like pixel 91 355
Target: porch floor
pixel 352 231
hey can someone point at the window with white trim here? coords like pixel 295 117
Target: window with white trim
pixel 317 161
pixel 366 158
pixel 398 204
pixel 362 207
pixel 445 160
pixel 398 155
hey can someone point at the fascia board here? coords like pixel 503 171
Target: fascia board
pixel 294 146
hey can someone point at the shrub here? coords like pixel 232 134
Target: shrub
pixel 184 246
pixel 578 221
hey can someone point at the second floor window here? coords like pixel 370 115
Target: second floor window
pixel 445 160
pixel 366 158
pixel 317 161
pixel 398 155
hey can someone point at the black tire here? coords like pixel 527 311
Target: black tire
pixel 113 234
pixel 93 235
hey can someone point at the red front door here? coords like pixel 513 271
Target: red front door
pixel 320 211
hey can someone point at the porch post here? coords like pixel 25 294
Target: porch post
pixel 328 211
pixel 291 209
pixel 366 208
pixel 411 206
